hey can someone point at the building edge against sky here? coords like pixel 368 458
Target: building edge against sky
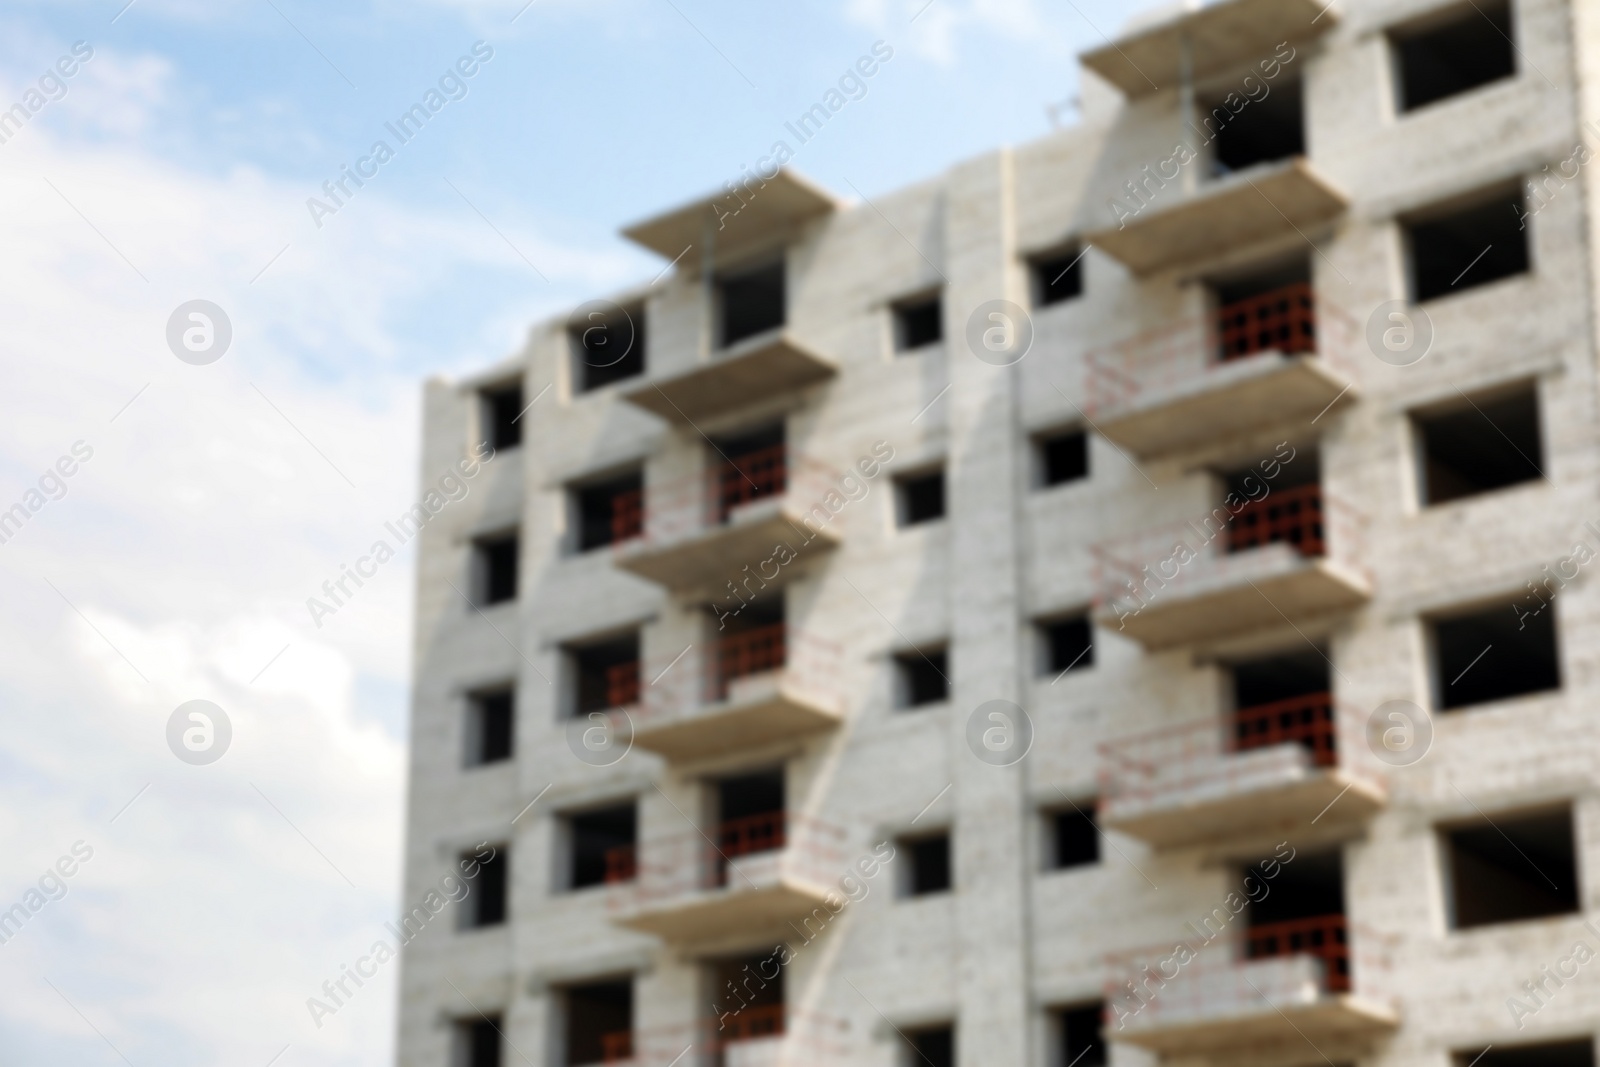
pixel 1121 599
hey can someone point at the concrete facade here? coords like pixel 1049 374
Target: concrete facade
pixel 1013 941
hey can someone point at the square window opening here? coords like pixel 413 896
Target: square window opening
pixel 1494 654
pixel 599 1022
pixel 747 467
pixel 751 992
pixel 933 1046
pixel 750 303
pixel 1057 276
pixel 1263 130
pixel 605 674
pixel 1472 46
pixel 609 512
pixel 1074 837
pixel 495 569
pixel 919 498
pixel 918 323
pixel 491 725
pixel 501 413
pixel 1066 645
pixel 608 348
pixel 477 1042
pixel 1469 246
pixel 485 902
pixel 928 869
pixel 1578 1053
pixel 921 678
pixel 1510 869
pixel 1285 699
pixel 1082 1035
pixel 603 846
pixel 1062 458
pixel 1492 444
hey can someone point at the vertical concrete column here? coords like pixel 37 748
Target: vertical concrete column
pixel 982 478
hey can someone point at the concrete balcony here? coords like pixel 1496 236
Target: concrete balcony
pixel 1178 229
pixel 1276 358
pixel 1270 769
pixel 763 213
pixel 741 691
pixel 739 882
pixel 752 371
pixel 1251 989
pixel 714 534
pixel 1219 37
pixel 1289 557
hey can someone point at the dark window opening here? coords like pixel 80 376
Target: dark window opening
pixel 1058 276
pixel 920 498
pixel 1068 644
pixel 929 868
pixel 599 1022
pixel 1284 699
pixel 490 726
pixel 1063 458
pixel 1578 1053
pixel 1442 60
pixel 1512 868
pixel 922 677
pixel 749 467
pixel 485 902
pixel 603 845
pixel 1495 654
pixel 605 674
pixel 751 303
pixel 1074 837
pixel 496 569
pixel 1468 247
pixel 1083 1042
pixel 502 409
pixel 610 512
pixel 918 323
pixel 479 1042
pixel 608 348
pixel 1493 444
pixel 1300 911
pixel 1286 509
pixel 1262 130
pixel 933 1046
pixel 747 999
pixel 752 640
pixel 751 816
pixel 1266 311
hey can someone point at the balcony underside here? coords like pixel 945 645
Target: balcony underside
pixel 704 563
pixel 748 373
pixel 1233 213
pixel 1244 809
pixel 1221 36
pixel 1341 1022
pixel 760 710
pixel 1232 398
pixel 733 913
pixel 1280 585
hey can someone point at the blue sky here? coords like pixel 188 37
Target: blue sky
pixel 175 563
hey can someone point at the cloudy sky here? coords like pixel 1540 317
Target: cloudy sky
pixel 173 564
